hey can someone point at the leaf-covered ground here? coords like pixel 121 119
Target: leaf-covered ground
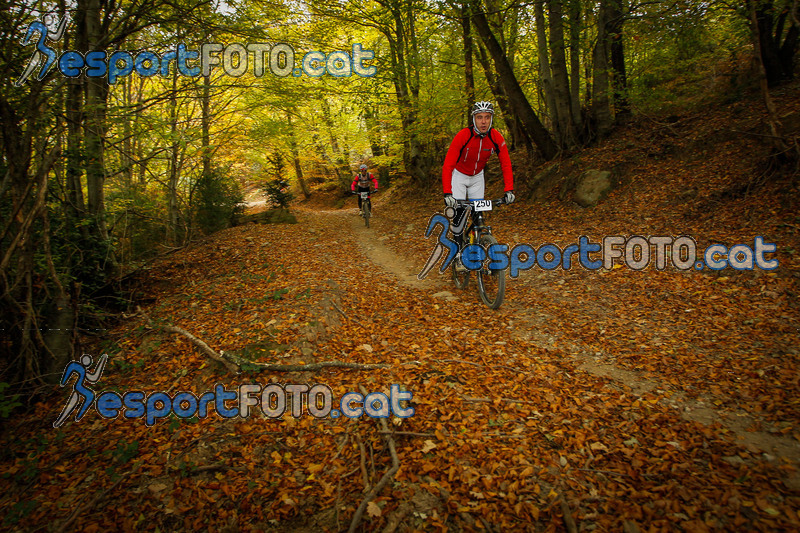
pixel 666 401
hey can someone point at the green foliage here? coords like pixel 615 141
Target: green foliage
pixel 277 190
pixel 8 402
pixel 277 294
pixel 18 511
pixel 140 221
pixel 126 451
pixel 187 468
pixel 685 57
pixel 79 253
pixel 176 422
pixel 125 367
pixel 218 200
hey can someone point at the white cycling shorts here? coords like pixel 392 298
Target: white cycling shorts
pixel 467 187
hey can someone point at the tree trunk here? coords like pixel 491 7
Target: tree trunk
pixel 544 65
pixel 205 125
pixel 76 206
pixel 564 126
pixel 516 97
pixel 95 124
pixel 777 57
pixel 26 196
pixel 373 129
pixel 772 116
pixel 126 158
pixel 517 135
pixel 468 68
pixel 404 53
pixel 575 63
pixel 601 110
pixel 137 144
pixel 298 169
pixel 619 80
pixel 341 165
pixel 172 183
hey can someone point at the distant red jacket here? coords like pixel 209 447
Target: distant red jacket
pixel 363 181
pixel 475 152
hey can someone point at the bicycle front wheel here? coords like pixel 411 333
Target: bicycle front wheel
pixel 491 283
pixel 367 210
pixel 460 277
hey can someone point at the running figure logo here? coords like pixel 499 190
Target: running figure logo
pixel 42 52
pixel 79 389
pixel 444 243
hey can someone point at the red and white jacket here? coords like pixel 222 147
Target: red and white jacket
pixel 363 181
pixel 469 156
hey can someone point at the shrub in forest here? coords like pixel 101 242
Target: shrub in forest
pixel 218 201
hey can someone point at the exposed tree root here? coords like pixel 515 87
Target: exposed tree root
pixel 387 477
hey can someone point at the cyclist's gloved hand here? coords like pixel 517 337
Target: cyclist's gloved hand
pixel 449 201
pixel 509 197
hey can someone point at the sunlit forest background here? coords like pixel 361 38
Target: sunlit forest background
pixel 97 178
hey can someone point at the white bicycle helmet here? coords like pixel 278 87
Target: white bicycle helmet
pixel 482 107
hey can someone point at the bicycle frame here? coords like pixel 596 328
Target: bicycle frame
pixel 477 222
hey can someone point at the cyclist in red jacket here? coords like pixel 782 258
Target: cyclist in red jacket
pixel 462 173
pixel 362 181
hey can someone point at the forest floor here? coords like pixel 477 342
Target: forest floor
pixel 590 401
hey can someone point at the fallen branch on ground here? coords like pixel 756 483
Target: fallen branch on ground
pixel 204 348
pixel 234 363
pixel 568 520
pixel 363 453
pixel 311 367
pixel 387 477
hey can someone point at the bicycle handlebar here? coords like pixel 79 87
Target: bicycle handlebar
pixel 499 201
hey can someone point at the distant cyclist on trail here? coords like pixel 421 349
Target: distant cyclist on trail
pixel 361 184
pixel 462 173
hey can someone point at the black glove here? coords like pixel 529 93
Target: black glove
pixel 449 201
pixel 508 198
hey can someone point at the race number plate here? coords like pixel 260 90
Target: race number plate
pixel 364 195
pixel 482 205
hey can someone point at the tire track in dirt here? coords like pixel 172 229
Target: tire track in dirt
pixel 405 271
pixel 382 256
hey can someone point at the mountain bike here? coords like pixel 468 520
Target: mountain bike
pixel 491 282
pixel 366 205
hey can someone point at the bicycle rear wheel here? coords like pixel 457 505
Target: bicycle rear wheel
pixel 491 283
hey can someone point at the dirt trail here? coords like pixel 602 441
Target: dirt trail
pixel 380 254
pixel 404 270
